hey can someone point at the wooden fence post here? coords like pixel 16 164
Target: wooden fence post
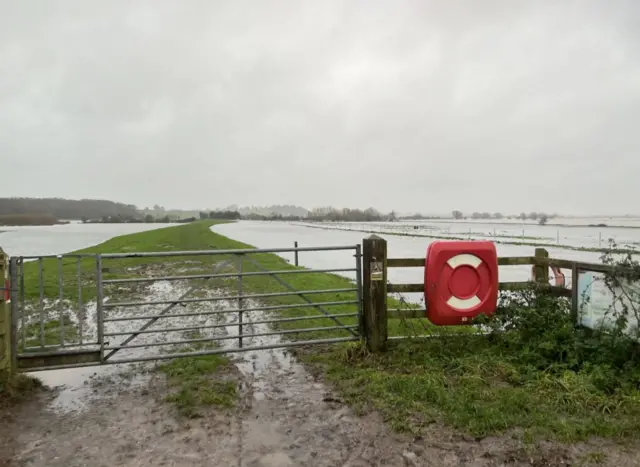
pixel 542 270
pixel 374 292
pixel 575 294
pixel 6 331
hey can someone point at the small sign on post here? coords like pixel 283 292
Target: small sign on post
pixel 376 271
pixel 374 293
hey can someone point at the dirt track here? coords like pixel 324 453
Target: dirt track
pixel 286 418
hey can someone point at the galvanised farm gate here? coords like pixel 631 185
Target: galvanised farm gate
pixel 89 309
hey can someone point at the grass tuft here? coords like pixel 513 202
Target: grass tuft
pixel 16 388
pixel 195 383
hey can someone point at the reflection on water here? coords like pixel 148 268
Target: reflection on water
pixel 59 239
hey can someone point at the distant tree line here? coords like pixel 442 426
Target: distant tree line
pixel 273 211
pixel 541 217
pixel 418 217
pixel 28 219
pixel 227 215
pixel 272 217
pixel 349 215
pixel 66 209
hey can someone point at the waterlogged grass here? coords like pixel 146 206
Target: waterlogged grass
pixel 51 334
pixel 197 382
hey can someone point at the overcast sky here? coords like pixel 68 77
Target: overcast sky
pixel 410 105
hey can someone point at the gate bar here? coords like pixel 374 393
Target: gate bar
pixel 358 256
pixel 22 312
pixel 214 326
pixel 60 299
pixel 13 316
pixel 41 286
pixel 27 351
pixel 228 297
pixel 238 251
pixel 202 353
pixel 239 270
pixel 223 275
pixel 234 310
pixel 80 305
pixel 99 309
pixel 115 348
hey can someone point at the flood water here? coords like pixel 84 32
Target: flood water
pixel 59 239
pixel 279 234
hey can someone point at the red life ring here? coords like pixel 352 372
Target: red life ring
pixel 467 301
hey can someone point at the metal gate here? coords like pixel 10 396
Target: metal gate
pixel 89 309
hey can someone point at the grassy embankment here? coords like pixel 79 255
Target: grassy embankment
pixel 544 377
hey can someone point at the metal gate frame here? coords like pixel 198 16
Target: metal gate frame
pixel 102 352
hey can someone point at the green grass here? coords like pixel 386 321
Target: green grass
pixel 52 335
pixel 477 389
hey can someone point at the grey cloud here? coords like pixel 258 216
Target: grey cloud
pixel 412 105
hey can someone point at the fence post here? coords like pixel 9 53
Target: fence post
pixel 6 324
pixel 295 258
pixel 374 292
pixel 542 270
pixel 575 295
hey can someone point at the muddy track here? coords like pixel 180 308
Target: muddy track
pixel 285 417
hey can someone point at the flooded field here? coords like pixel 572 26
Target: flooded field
pixel 279 234
pixel 578 236
pixel 59 239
